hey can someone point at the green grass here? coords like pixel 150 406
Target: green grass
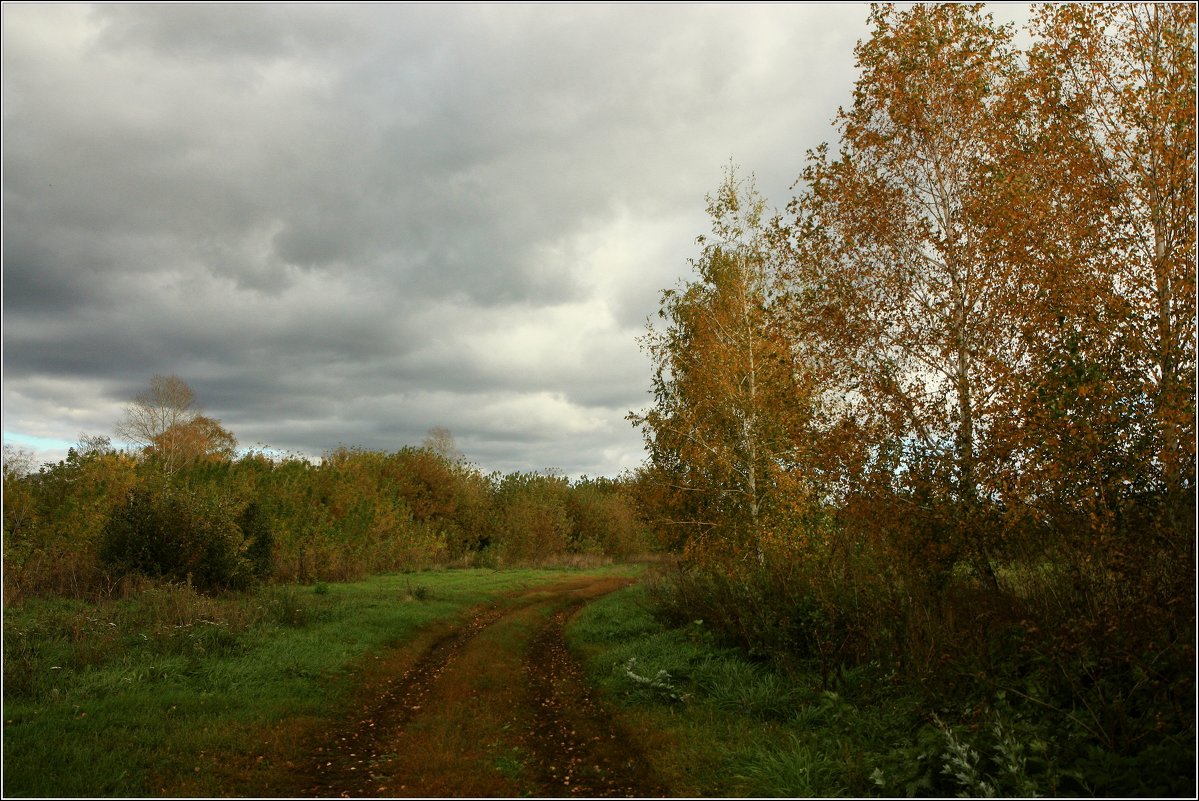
pixel 129 697
pixel 723 725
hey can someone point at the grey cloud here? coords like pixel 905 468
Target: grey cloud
pixel 218 32
pixel 346 224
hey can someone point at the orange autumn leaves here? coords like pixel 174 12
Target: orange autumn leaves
pixel 978 313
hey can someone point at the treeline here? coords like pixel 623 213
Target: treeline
pixel 86 524
pixel 940 416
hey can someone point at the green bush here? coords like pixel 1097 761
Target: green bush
pixel 181 535
pixel 259 539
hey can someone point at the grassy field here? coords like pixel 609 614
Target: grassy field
pixel 173 692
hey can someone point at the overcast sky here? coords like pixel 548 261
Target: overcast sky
pixel 349 224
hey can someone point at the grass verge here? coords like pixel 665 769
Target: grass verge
pixel 723 725
pixel 166 692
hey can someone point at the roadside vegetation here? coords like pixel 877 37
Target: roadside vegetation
pixel 718 722
pixel 926 441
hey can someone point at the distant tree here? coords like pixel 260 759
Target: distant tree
pixel 440 441
pixel 93 444
pixel 166 422
pixel 200 438
pixel 19 503
pixel 18 462
pixel 169 402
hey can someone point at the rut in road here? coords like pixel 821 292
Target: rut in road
pixel 496 707
pixel 581 751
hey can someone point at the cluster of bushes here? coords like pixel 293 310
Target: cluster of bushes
pixel 1097 666
pixel 183 535
pixel 1087 638
pixel 78 527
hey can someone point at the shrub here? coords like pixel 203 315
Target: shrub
pixel 179 535
pixel 531 518
pixel 259 539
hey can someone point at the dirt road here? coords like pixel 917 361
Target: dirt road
pixel 493 707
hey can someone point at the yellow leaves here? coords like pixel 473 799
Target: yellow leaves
pixel 723 380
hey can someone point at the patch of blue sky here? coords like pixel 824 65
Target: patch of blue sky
pixel 35 442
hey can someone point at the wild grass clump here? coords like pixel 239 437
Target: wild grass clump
pixel 748 688
pixel 417 592
pixel 790 768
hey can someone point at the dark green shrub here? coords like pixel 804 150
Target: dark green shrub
pixel 259 539
pixel 179 535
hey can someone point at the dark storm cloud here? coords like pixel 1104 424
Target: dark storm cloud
pixel 345 224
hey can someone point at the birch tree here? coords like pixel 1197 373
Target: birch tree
pixel 166 423
pixel 891 247
pixel 726 395
pixel 1127 72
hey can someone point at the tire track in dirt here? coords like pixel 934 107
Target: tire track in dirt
pixel 581 749
pixel 495 707
pixel 340 767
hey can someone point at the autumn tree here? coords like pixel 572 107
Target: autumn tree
pixel 892 270
pixel 440 441
pixel 166 422
pixel 719 432
pixel 1125 73
pixel 169 402
pixel 426 480
pixel 987 317
pixel 201 438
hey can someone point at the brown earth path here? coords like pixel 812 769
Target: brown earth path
pixel 495 706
